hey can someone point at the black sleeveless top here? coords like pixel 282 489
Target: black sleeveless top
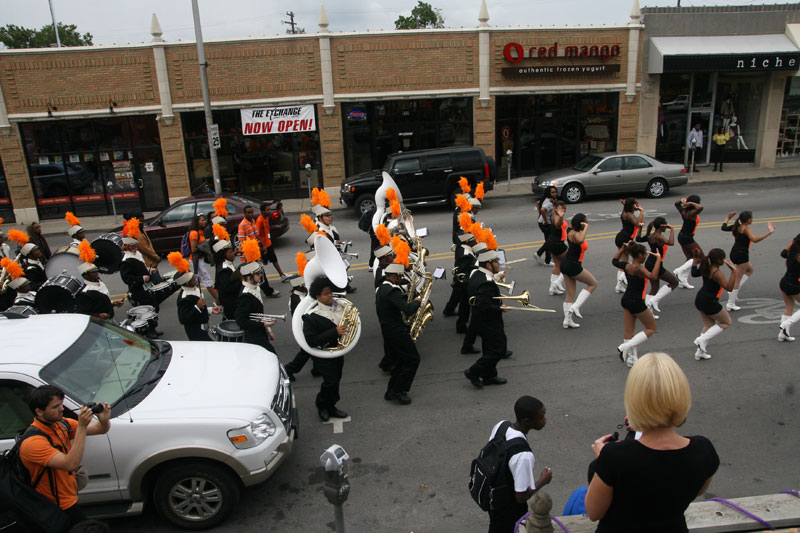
pixel 710 288
pixel 650 262
pixel 740 240
pixel 575 252
pixel 635 290
pixel 628 227
pixel 689 224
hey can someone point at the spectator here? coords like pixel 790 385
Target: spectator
pixel 37 237
pixel 58 455
pixel 264 236
pixel 247 230
pixel 647 484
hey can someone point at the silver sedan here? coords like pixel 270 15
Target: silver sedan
pixel 612 173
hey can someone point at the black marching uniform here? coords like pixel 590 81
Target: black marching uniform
pixel 228 286
pixel 487 320
pixel 320 332
pixel 296 365
pixel 254 330
pixel 34 271
pixel 464 265
pixel 193 317
pixel 132 271
pixel 92 300
pixel 391 304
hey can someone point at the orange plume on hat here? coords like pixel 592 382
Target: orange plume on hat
pixel 324 199
pixel 220 207
pixel 12 268
pixel 394 205
pixel 491 242
pixel 314 196
pixel 307 223
pixel 85 252
pixel 391 195
pixel 463 204
pixel 401 250
pixel 221 233
pixel 71 219
pixel 465 221
pixel 477 230
pixel 464 184
pixel 479 194
pixel 301 261
pixel 178 261
pixel 383 235
pixel 19 237
pixel 131 228
pixel 251 250
pixel 1 221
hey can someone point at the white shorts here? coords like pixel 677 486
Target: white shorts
pixel 203 277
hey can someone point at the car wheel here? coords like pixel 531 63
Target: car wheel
pixel 657 188
pixel 196 495
pixel 572 193
pixel 364 203
pixel 451 197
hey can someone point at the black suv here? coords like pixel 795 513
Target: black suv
pixel 422 175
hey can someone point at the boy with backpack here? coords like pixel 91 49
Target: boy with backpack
pixel 501 478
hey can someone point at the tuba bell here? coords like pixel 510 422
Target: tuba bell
pixel 380 199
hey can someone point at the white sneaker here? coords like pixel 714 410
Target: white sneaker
pixel 783 337
pixel 700 354
pixel 732 307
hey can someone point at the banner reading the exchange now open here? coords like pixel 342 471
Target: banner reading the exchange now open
pixel 284 119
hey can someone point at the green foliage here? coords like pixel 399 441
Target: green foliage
pixel 18 37
pixel 422 16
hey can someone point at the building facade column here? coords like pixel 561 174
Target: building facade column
pixel 173 151
pixel 162 72
pixel 650 95
pixel 326 68
pixel 769 119
pixel 484 56
pixel 17 177
pixel 332 147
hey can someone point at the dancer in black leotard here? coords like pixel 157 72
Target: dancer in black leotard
pixel 545 209
pixel 790 288
pixel 573 270
pixel 655 238
pixel 633 305
pixel 631 223
pixel 740 253
pixel 557 245
pixel 715 318
pixel 690 210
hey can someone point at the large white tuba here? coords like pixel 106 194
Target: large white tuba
pixel 380 199
pixel 326 262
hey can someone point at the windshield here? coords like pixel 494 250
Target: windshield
pixel 103 364
pixel 587 163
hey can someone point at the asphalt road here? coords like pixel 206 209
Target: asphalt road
pixel 410 463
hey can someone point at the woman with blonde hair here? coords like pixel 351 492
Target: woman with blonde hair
pixel 647 484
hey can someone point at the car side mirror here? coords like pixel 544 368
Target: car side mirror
pixel 596 171
pixel 161 223
pixel 394 172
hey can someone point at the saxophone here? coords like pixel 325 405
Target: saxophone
pixel 424 314
pixel 349 319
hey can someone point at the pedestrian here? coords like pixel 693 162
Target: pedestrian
pixel 690 210
pixel 694 141
pixel 631 223
pixel 658 243
pixel 574 272
pixel 247 230
pixel 647 484
pixel 544 208
pixel 34 231
pixel 715 318
pixel 556 243
pixel 265 237
pixel 790 289
pixel 198 257
pixel 743 236
pixel 633 306
pixel 530 414
pixel 719 140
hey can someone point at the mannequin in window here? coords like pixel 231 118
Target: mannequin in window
pixel 726 110
pixel 736 132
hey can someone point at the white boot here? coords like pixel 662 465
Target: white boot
pixel 648 301
pixel 784 335
pixel 702 341
pixel 682 273
pixel 568 322
pixel 627 347
pixel 560 283
pixel 662 291
pixel 624 354
pixel 622 282
pixel 554 288
pixel 579 301
pixel 732 296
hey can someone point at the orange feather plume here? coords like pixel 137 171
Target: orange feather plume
pixel 221 233
pixel 401 250
pixel 324 199
pixel 383 235
pixel 463 204
pixel 308 224
pixel 19 237
pixel 394 205
pixel 251 250
pixel 479 194
pixel 465 221
pixel 477 230
pixel 464 184
pixel 85 252
pixel 314 196
pixel 132 228
pixel 391 195
pixel 1 221
pixel 12 268
pixel 220 207
pixel 301 261
pixel 71 219
pixel 491 242
pixel 178 261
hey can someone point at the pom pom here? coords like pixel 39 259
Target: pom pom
pixel 465 221
pixel 391 195
pixel 394 205
pixel 479 194
pixel 12 268
pixel 464 184
pixel 221 233
pixel 301 261
pixel 314 196
pixel 85 252
pixel 220 207
pixel 71 219
pixel 463 204
pixel 132 228
pixel 19 237
pixel 401 250
pixel 324 199
pixel 383 235
pixel 307 223
pixel 251 250
pixel 178 261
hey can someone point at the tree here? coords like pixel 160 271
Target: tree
pixel 422 16
pixel 18 37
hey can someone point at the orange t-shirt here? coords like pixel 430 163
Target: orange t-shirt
pixel 262 226
pixel 36 452
pixel 195 236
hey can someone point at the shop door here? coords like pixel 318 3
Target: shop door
pixel 150 180
pixel 550 143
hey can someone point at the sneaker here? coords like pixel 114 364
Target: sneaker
pixel 732 307
pixel 285 278
pixel 700 354
pixel 784 337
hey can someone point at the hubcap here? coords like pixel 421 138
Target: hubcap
pixel 366 206
pixel 195 499
pixel 657 188
pixel 573 194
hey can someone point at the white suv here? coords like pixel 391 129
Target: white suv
pixel 192 422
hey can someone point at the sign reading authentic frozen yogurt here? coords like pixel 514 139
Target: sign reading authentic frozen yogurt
pixel 283 119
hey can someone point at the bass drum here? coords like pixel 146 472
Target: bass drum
pixel 65 260
pixel 109 252
pixel 23 310
pixel 57 294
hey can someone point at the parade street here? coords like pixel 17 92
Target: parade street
pixel 409 464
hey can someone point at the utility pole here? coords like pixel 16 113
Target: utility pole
pixel 55 25
pixel 292 23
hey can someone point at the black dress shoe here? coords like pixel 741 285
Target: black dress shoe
pixel 449 313
pixel 400 397
pixel 469 350
pixel 475 380
pixel 350 290
pixel 324 415
pixel 495 381
pixel 508 354
pixel 335 412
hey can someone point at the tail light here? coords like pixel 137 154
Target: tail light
pixel 683 171
pixel 486 171
pixel 276 215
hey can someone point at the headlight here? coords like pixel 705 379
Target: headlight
pixel 348 188
pixel 549 183
pixel 253 434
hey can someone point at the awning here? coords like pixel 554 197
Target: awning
pixel 722 53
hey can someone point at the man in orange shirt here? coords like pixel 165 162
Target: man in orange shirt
pixel 262 227
pixel 58 455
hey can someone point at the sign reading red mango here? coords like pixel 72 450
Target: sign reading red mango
pixel 514 52
pixel 284 119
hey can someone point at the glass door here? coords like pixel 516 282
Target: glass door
pixel 701 110
pixel 150 180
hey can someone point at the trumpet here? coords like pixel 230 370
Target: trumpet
pixel 264 318
pixel 349 254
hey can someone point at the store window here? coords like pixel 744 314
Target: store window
pixel 789 133
pixel 6 209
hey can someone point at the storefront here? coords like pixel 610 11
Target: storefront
pixel 789 133
pixel 6 209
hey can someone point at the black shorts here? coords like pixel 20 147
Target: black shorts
pixel 707 304
pixel 571 268
pixel 789 287
pixel 621 239
pixel 685 239
pixel 634 305
pixel 557 247
pixel 269 255
pixel 740 256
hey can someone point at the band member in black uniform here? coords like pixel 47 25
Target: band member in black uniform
pixel 464 204
pixel 464 265
pixel 631 223
pixel 33 263
pixel 325 225
pixel 134 271
pixel 633 306
pixel 572 268
pixel 93 299
pixel 251 300
pixel 23 295
pixel 391 305
pixel 690 210
pixel 487 318
pixel 294 366
pixel 715 318
pixel 321 329
pixel 790 289
pixel 467 346
pixel 14 271
pixel 556 243
pixel 75 230
pixel 227 281
pixel 192 310
pixel 655 238
pixel 384 256
pixel 743 236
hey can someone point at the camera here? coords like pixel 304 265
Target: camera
pixel 95 408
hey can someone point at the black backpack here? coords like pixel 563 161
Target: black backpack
pixel 20 504
pixel 490 481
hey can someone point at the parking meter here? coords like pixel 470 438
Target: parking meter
pixel 508 179
pixel 308 178
pixel 337 486
pixel 694 150
pixel 110 188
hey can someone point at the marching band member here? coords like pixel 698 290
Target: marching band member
pixel 297 293
pixel 24 294
pixel 19 288
pixel 464 264
pixel 743 236
pixel 572 268
pixel 251 299
pixel 75 230
pixel 93 299
pixel 460 207
pixel 265 237
pixel 384 256
pixel 33 263
pixel 227 281
pixel 467 347
pixel 192 310
pixel 325 222
pixel 133 270
pixel 151 258
pixel 247 231
pixel 198 255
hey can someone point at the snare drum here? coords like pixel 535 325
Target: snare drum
pixel 161 291
pixel 109 252
pixel 228 331
pixel 24 310
pixel 142 319
pixel 64 260
pixel 57 294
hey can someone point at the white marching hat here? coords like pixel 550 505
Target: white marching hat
pixel 320 210
pixel 383 251
pixel 250 268
pixel 221 245
pixel 27 249
pixel 475 202
pixel 489 255
pixel 466 237
pixel 219 220
pixel 73 230
pixel 394 268
pixel 19 282
pixel 480 247
pixel 85 268
pixel 298 281
pixel 184 278
pixel 310 239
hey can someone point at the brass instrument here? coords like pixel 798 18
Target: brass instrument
pixel 507 286
pixel 264 318
pixel 524 299
pixel 5 277
pixel 424 314
pixel 350 320
pixel 349 254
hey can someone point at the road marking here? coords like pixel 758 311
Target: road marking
pixel 338 424
pixel 767 310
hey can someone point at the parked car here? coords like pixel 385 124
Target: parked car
pixel 192 423
pixel 168 227
pixel 422 175
pixel 612 173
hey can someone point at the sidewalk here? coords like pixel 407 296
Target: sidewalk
pixel 519 186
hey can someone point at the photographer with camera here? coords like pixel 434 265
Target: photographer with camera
pixel 52 446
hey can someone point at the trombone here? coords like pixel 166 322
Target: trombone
pixel 524 299
pixel 264 318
